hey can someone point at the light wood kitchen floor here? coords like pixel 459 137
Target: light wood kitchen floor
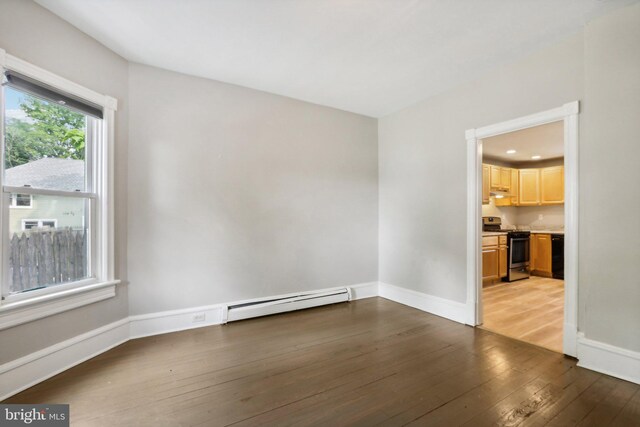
pixel 530 310
pixel 370 362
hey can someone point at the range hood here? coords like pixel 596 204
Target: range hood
pixel 498 194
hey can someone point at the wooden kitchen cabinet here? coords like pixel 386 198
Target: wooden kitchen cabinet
pixel 494 257
pixel 552 185
pixel 486 183
pixel 514 187
pixel 495 176
pixel 489 241
pixel 532 252
pixel 500 178
pixel 505 178
pixel 490 258
pixel 507 185
pixel 525 187
pixel 512 198
pixel 502 261
pixel 540 254
pixel 529 187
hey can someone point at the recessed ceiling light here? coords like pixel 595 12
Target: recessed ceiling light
pixel 536 157
pixel 511 151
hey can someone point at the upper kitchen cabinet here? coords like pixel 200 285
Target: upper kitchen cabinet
pixel 514 187
pixel 505 178
pixel 486 183
pixel 552 185
pixel 529 187
pixel 523 187
pixel 495 176
pixel 500 178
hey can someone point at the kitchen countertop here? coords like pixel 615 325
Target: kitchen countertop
pixel 504 233
pixel 547 231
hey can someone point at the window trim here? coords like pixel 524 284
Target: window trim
pixel 40 221
pixel 28 306
pixel 13 204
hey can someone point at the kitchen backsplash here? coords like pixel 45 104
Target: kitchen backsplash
pixel 527 217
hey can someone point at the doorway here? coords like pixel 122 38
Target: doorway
pixel 557 294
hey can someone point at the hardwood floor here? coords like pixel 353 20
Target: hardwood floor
pixel 366 363
pixel 530 310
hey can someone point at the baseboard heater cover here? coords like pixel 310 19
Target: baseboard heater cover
pixel 274 305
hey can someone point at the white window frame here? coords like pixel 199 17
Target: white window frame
pixel 24 307
pixel 39 221
pixel 14 201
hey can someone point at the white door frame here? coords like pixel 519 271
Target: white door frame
pixel 569 114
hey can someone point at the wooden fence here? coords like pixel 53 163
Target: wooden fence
pixel 46 257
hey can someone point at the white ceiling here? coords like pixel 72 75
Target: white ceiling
pixel 371 57
pixel 546 141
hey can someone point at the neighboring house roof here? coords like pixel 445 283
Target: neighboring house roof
pixel 59 174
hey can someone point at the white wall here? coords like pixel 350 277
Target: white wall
pixel 236 193
pixel 610 181
pixel 527 216
pixel 552 217
pixel 423 165
pixel 34 34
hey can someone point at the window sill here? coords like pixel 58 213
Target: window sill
pixel 19 312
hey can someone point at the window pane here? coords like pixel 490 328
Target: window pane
pixel 44 144
pixel 48 244
pixel 23 200
pixel 29 224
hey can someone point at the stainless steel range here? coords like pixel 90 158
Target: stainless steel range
pixel 518 257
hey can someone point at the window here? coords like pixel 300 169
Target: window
pixel 57 228
pixel 20 200
pixel 48 149
pixel 29 224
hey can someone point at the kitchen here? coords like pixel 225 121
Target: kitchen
pixel 523 235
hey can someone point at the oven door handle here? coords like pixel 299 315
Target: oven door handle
pixel 519 239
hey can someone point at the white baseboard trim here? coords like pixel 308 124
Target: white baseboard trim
pixel 33 368
pixel 163 322
pixel 608 359
pixel 364 290
pixel 448 309
pixel 145 325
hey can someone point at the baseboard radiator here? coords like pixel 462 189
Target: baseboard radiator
pixel 274 305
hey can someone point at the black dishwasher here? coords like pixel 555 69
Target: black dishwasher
pixel 557 256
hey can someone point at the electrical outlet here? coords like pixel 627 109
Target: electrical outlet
pixel 198 317
pixel 540 217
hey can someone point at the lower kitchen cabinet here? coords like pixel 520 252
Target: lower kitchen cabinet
pixel 502 261
pixel 540 254
pixel 494 257
pixel 490 263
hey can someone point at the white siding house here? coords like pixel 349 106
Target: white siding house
pixel 38 211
